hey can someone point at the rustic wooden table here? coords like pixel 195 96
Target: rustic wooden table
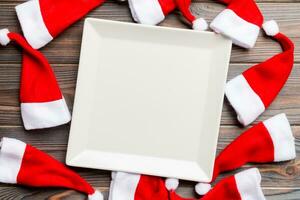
pixel 280 181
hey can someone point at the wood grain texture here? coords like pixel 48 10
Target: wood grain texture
pixel 280 181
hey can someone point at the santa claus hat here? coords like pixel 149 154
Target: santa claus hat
pixel 43 20
pixel 153 12
pixel 42 103
pixel 184 7
pixel 240 21
pixel 25 165
pixel 150 12
pixel 268 141
pixel 254 90
pixel 128 186
pixel 244 185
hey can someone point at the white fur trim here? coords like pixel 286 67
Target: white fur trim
pixel 113 175
pixel 112 183
pixel 45 115
pixel 244 100
pixel 241 32
pixel 248 184
pixel 11 156
pixel 283 140
pixel 146 12
pixel 200 24
pixel 96 196
pixel 4 39
pixel 271 27
pixel 171 183
pixel 202 188
pixel 124 186
pixel 32 23
pixel 133 13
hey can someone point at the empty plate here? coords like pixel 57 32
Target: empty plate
pixel 148 100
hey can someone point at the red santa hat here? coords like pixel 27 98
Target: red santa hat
pixel 240 21
pixel 128 186
pixel 184 7
pixel 42 103
pixel 244 185
pixel 254 90
pixel 23 164
pixel 153 12
pixel 150 12
pixel 268 141
pixel 43 20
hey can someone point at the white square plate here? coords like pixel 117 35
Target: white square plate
pixel 148 100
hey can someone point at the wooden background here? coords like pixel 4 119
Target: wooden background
pixel 280 181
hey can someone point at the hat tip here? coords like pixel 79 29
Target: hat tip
pixel 171 184
pixel 4 39
pixel 96 196
pixel 200 24
pixel 271 28
pixel 202 188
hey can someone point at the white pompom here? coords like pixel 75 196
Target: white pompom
pixel 202 188
pixel 96 196
pixel 171 183
pixel 4 39
pixel 200 24
pixel 271 27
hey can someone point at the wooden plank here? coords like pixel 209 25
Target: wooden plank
pixel 288 100
pixel 66 48
pixel 279 181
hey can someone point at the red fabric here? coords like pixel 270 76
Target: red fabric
pixel 167 6
pixel 184 7
pixel 41 170
pixel 38 82
pixel 267 78
pixel 151 188
pixel 247 10
pixel 226 189
pixel 254 145
pixel 60 14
